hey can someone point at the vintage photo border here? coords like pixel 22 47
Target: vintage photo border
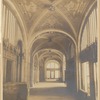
pixel 1 50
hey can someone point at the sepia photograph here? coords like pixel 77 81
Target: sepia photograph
pixel 49 50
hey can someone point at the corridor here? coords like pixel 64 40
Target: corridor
pixel 50 50
pixel 51 91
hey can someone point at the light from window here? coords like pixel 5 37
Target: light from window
pixel 85 77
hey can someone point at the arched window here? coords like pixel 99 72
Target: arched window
pixel 89 34
pixel 88 51
pixel 52 69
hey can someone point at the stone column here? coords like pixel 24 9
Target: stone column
pixel 14 70
pixel 18 69
pixel 28 74
pixel 37 80
pixel 3 19
pixel 77 63
pixel 37 69
pixel 45 71
pixel 16 31
pixel 32 73
pixel 64 68
pixel 38 73
pixel 9 27
pixel 13 30
pixel 6 24
pixel 27 69
pixel 23 70
pixel 4 69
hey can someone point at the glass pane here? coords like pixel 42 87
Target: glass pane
pixel 52 74
pixel 52 64
pixel 48 74
pixel 57 74
pixel 48 66
pixel 56 65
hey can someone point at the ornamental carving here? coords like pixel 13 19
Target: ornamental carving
pixel 8 47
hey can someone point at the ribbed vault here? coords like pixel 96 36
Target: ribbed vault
pixel 51 40
pixel 50 54
pixel 65 15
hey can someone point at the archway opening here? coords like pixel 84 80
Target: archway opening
pixel 53 71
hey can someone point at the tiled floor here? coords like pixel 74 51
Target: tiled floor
pixel 51 91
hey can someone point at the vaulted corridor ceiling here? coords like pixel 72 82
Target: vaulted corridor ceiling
pixel 51 24
pixel 52 40
pixel 65 15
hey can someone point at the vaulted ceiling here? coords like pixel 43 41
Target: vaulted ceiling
pixel 66 15
pixel 46 15
pixel 52 40
pixel 50 54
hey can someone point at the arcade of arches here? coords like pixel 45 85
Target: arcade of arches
pixel 51 46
